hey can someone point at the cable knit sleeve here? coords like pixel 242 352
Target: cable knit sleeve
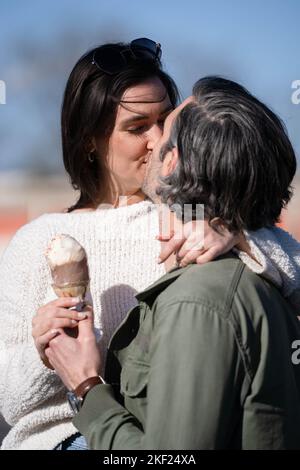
pixel 278 256
pixel 25 383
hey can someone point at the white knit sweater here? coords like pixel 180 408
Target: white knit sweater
pixel 122 251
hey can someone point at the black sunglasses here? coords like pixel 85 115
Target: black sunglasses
pixel 112 61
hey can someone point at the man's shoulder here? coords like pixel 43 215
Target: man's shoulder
pixel 215 284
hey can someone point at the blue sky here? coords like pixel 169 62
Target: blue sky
pixel 255 43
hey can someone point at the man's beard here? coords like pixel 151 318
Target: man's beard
pixel 151 180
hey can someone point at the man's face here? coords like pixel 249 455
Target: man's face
pixel 156 167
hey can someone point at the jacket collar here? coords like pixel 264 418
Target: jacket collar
pixel 162 283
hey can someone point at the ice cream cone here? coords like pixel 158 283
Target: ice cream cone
pixel 69 268
pixel 71 290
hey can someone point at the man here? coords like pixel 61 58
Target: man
pixel 205 360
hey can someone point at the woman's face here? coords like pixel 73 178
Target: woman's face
pixel 139 124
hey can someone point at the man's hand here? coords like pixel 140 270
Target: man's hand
pixel 53 317
pixel 197 242
pixel 75 359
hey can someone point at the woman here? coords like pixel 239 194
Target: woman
pixel 115 103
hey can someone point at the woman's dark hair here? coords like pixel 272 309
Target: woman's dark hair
pixel 234 157
pixel 89 110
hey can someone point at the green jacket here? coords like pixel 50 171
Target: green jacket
pixel 204 362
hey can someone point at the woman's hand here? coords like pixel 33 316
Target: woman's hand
pixel 198 242
pixel 52 317
pixel 76 359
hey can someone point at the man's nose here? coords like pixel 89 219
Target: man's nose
pixel 154 135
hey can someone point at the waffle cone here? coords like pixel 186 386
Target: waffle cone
pixel 71 289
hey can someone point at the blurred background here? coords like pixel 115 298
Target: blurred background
pixel 255 43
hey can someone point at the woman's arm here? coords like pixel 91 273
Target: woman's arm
pixel 278 259
pixel 25 382
pixel 270 252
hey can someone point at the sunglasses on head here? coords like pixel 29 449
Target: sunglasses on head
pixel 111 61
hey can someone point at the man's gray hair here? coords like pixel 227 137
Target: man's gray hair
pixel 234 157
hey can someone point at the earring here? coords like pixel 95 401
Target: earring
pixel 91 157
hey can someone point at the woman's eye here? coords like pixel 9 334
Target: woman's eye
pixel 137 130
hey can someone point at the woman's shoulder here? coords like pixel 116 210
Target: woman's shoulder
pixel 34 235
pixel 40 225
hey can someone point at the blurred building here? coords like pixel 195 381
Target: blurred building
pixel 23 198
pixel 291 216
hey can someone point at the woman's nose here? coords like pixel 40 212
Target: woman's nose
pixel 154 135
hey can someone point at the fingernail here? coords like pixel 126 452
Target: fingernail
pixel 54 332
pixel 82 315
pixel 74 322
pixel 76 300
pixel 159 260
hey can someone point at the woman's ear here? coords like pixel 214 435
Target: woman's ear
pixel 93 144
pixel 90 145
pixel 170 162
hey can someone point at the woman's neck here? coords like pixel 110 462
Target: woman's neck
pixel 115 201
pixel 127 199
